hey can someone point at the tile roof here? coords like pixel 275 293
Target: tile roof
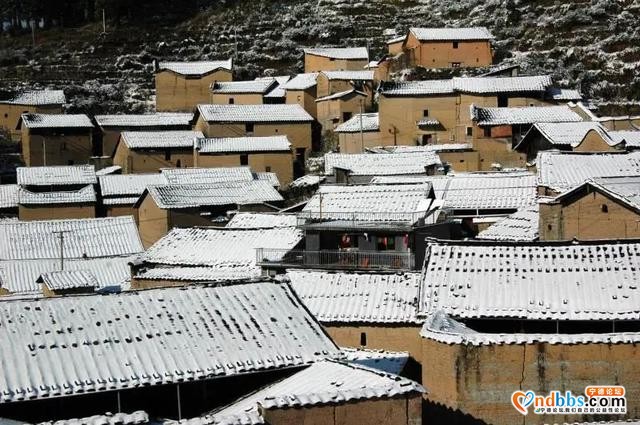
pixel 32 120
pixel 158 119
pixel 386 361
pixel 160 139
pixel 38 97
pixel 451 34
pixel 112 169
pixel 217 273
pixel 301 81
pixel 339 52
pixel 568 133
pixel 625 189
pixel 368 164
pixel 20 276
pixel 556 93
pixel 370 122
pixel 153 337
pixel 349 75
pixel 522 225
pixel 253 220
pixel 553 281
pixel 207 175
pixel 341 94
pixel 340 297
pixel 562 171
pixel 174 196
pixel 128 184
pixel 269 177
pixel 68 279
pixel 57 175
pixel 243 144
pixel 85 195
pixel 417 88
pixel 83 238
pixel 322 383
pixel 196 68
pixel 444 147
pixel 536 83
pixel 243 87
pixel 8 196
pixel 396 39
pixel 136 418
pixel 630 137
pixel 524 115
pixel 292 113
pixel 278 90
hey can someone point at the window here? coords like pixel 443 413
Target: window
pixel 178 164
pixel 363 339
pixel 425 113
pixel 6 115
pixel 503 101
pixel 244 159
pixel 455 64
pixel 549 227
pixel 267 169
pixel 487 132
pixel 469 131
pixel 167 155
pixel 346 116
pixel 248 127
pixel 386 243
pixel 604 208
pixel 231 101
pixel 427 139
pixel 70 162
pixel 455 44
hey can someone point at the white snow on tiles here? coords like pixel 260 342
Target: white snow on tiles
pixel 292 113
pixel 160 139
pixel 452 34
pixel 207 175
pixel 58 175
pixel 255 220
pixel 196 67
pixel 368 164
pixel 38 98
pixel 157 119
pixel 339 52
pixel 519 226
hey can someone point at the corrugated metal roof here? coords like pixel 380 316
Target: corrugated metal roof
pixel 136 418
pixel 370 122
pixel 152 337
pixel 368 164
pixel 339 52
pixel 451 34
pixel 32 120
pixel 340 297
pixel 243 144
pixel 58 175
pixel 341 94
pixel 244 220
pixel 562 171
pixel 20 276
pixel 323 383
pixel 86 195
pixel 160 139
pixel 83 238
pixel 173 196
pixel 68 279
pixel 254 113
pixel 523 115
pixel 128 184
pixel 631 138
pixel 386 361
pixel 349 75
pixel 38 97
pixel 519 226
pixel 158 119
pixel 8 196
pixel 207 175
pixel 301 81
pixel 559 281
pixel 196 68
pixel 243 87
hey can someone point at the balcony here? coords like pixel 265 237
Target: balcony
pixel 354 259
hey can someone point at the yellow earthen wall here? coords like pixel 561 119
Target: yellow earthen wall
pixel 441 54
pixel 58 149
pixel 314 63
pixel 55 212
pixel 238 98
pixel 391 338
pixel 10 115
pixel 153 222
pixel 280 163
pixel 175 93
pixel 149 161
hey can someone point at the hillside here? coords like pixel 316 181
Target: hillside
pixel 591 44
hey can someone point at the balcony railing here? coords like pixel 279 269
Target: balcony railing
pixel 406 218
pixel 336 259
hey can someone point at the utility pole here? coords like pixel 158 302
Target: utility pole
pixel 33 32
pixel 361 129
pixel 104 22
pixel 61 236
pixel 44 152
pixel 235 39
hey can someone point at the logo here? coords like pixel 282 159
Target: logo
pixel 604 400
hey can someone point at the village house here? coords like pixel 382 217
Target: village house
pixel 358 133
pixel 291 121
pixel 277 94
pixel 458 157
pixel 8 200
pixel 29 102
pixel 56 139
pixel 56 192
pixel 618 123
pixel 537 316
pixel 181 86
pixel 331 82
pixel 631 138
pixel 111 126
pixel 303 90
pixel 150 151
pixel 211 254
pixel 496 131
pixel 600 208
pixel 340 107
pixel 262 154
pixel 446 47
pixel 335 59
pixel 119 192
pixel 584 136
pixel 241 92
pixel 101 246
pixel 156 362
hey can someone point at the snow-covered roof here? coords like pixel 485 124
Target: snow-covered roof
pixel 625 189
pixel 349 75
pixel 157 119
pixel 370 122
pixel 567 133
pixel 56 175
pixel 244 220
pixel 8 196
pixel 174 196
pixel 417 88
pixel 368 164
pixel 340 95
pixel 358 53
pixel 523 115
pixel 536 281
pixel 278 90
pixel 452 34
pixel 630 137
pixel 87 194
pixel 38 97
pixel 396 39
pixel 206 175
pixel 562 171
pixel 386 361
pixel 254 113
pixel 522 225
pixel 138 417
pixel 111 169
pixel 157 337
pixel 83 238
pixel 560 94
pixel 243 87
pixel 160 139
pixel 32 120
pixel 243 144
pixel 269 177
pixel 68 279
pixel 340 297
pixel 128 184
pixel 301 81
pixel 307 181
pixel 196 68
pixel 444 147
pixel 474 85
pixel 20 276
pixel 322 383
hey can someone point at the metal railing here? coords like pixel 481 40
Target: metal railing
pixel 351 259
